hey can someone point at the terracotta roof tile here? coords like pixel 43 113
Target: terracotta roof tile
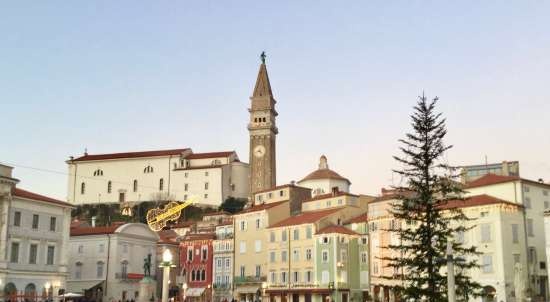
pixel 477 200
pixel 210 155
pixel 490 179
pixel 33 196
pixel 324 174
pixel 98 230
pixel 131 154
pixel 306 217
pixel 338 229
pixel 358 219
pixel 199 236
pixel 261 207
pixel 168 237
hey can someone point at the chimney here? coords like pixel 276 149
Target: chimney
pixel 541 180
pixel 292 182
pixel 334 191
pixel 93 221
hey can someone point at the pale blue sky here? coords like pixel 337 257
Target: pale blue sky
pixel 118 76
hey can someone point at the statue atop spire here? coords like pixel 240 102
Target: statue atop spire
pixel 262 57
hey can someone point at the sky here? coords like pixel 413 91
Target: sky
pixel 117 76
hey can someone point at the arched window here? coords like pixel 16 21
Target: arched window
pixel 109 186
pixel 30 290
pixel 78 270
pixel 124 268
pixel 99 269
pixel 83 188
pixel 10 289
pixel 98 172
pixel 161 184
pixel 135 185
pixel 193 275
pixel 203 275
pixel 148 169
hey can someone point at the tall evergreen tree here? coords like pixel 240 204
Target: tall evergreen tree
pixel 427 223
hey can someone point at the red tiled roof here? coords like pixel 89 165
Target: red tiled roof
pixel 324 174
pixel 305 217
pixel 185 224
pixel 33 196
pixel 280 187
pixel 131 154
pixel 98 230
pixel 330 195
pixel 358 219
pixel 209 155
pixel 168 237
pixel 490 179
pixel 331 229
pixel 477 200
pixel 199 236
pixel 261 207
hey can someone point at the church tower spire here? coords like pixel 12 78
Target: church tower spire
pixel 262 131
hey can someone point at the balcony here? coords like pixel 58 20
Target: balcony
pixel 222 286
pixel 250 279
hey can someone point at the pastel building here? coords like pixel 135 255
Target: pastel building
pixel 34 240
pixel 196 256
pixel 223 262
pixel 134 177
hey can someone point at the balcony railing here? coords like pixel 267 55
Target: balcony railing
pixel 222 286
pixel 250 279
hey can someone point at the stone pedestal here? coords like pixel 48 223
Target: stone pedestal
pixel 147 287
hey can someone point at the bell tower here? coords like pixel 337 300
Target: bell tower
pixel 263 131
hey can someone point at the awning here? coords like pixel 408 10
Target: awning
pixel 81 286
pixel 251 289
pixel 194 291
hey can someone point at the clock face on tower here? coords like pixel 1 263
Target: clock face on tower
pixel 259 151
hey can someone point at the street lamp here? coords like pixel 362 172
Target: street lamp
pixel 166 264
pixel 264 287
pixel 184 286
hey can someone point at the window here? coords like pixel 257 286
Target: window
pixel 272 257
pixel 219 263
pixel 343 255
pixel 161 184
pixel 243 225
pixel 273 277
pixel 515 233
pixel 101 248
pixel 308 276
pixel 135 185
pixel 17 218
pixel 530 231
pixel 363 257
pixel 186 187
pixel 324 277
pixel 121 197
pixel 324 256
pixel 78 270
pixel 283 235
pixel 33 251
pixel 82 188
pixel 193 275
pixel 296 234
pixel 375 268
pixel 80 249
pixel 242 247
pixel 50 255
pixel 325 240
pixel 206 173
pixel 185 174
pixel 258 271
pixel 487 263
pixel 532 255
pixel 206 186
pixel 308 254
pixel 308 232
pixel 526 189
pixel 204 253
pixel 242 271
pixel 189 254
pixel 35 220
pixel 364 240
pixel 281 193
pixel 516 258
pixel 148 169
pixel 203 275
pixel 53 223
pixel 109 186
pixel 205 196
pixel 124 268
pixel 459 236
pixel 485 233
pixel 546 205
pixel 258 246
pixel 258 223
pixel 296 255
pixel 484 214
pixel 269 195
pixel 283 277
pixel 296 277
pixel 283 256
pixel 99 269
pixel 227 263
pixel 527 202
pixel 271 236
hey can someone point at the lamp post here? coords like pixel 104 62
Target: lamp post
pixel 184 286
pixel 451 294
pixel 166 265
pixel 47 286
pixel 264 287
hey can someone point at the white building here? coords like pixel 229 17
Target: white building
pixel 34 236
pixel 223 262
pixel 106 263
pixel 135 177
pixel 324 180
pixel 534 197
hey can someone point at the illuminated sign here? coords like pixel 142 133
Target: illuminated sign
pixel 158 218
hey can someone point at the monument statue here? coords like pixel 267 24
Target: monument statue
pixel 147 266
